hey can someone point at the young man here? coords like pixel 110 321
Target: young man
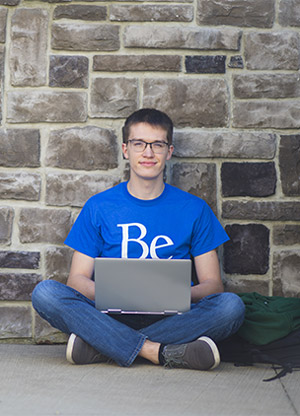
pixel 143 218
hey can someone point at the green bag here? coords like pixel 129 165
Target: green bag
pixel 268 318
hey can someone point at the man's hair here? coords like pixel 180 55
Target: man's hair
pixel 151 116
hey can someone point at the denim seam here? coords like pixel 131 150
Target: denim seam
pixel 136 350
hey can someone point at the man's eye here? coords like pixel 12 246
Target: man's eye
pixel 158 145
pixel 138 144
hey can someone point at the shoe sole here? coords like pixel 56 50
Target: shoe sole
pixel 70 346
pixel 214 349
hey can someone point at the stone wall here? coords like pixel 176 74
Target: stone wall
pixel 226 71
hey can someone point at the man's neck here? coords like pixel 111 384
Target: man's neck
pixel 145 189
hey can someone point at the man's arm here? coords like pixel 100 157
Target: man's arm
pixel 81 273
pixel 209 277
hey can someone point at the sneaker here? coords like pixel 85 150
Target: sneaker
pixel 80 352
pixel 201 354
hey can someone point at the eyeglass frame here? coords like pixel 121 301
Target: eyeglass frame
pixel 150 144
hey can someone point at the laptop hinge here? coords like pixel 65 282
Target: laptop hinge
pixel 171 312
pixel 120 311
pixel 114 311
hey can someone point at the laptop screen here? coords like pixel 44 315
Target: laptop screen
pixel 143 286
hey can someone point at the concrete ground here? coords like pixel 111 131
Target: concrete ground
pixel 37 380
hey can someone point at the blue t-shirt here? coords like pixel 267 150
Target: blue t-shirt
pixel 175 225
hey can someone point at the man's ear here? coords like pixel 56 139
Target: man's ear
pixel 125 151
pixel 170 152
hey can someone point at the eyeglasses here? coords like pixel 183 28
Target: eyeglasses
pixel 139 146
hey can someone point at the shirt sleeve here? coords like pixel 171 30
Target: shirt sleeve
pixel 85 235
pixel 208 233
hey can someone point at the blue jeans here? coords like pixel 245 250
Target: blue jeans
pixel 121 337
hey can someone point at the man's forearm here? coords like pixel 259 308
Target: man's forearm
pixel 205 288
pixel 83 285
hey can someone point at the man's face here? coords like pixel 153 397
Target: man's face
pixel 148 163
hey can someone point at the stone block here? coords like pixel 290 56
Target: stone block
pixel 224 144
pixel 15 322
pixel 286 278
pixel 28 50
pixel 75 189
pixel 87 148
pixel 119 63
pixel 207 144
pixel 117 97
pixel 17 286
pixel 286 234
pixel 85 37
pixel 242 285
pixel 248 179
pixel 272 50
pixel 120 1
pixel 289 13
pixel 2 64
pixel 22 186
pixel 44 333
pixel 284 114
pixel 44 225
pixel 289 164
pixel 247 252
pixel 3 21
pixel 58 263
pixel 37 106
pixel 205 64
pixel 80 12
pixel 10 2
pixel 176 37
pixel 266 86
pixel 20 148
pixel 183 100
pixel 254 13
pixel 198 179
pixel 236 62
pixel 262 210
pixel 20 259
pixel 69 71
pixel 6 223
pixel 151 13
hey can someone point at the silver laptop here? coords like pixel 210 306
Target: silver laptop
pixel 142 286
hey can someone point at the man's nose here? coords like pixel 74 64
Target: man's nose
pixel 148 150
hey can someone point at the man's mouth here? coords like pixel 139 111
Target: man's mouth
pixel 145 163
